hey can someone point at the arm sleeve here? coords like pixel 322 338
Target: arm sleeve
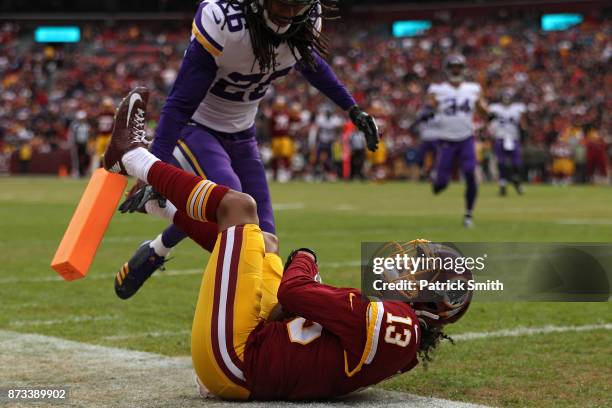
pixel 342 311
pixel 339 310
pixel 324 79
pixel 196 75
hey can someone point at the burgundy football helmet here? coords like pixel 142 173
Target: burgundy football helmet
pixel 434 306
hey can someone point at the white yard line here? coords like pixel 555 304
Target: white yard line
pixel 51 322
pixel 583 221
pixel 288 206
pixel 52 277
pixel 99 376
pixel 528 331
pixel 147 334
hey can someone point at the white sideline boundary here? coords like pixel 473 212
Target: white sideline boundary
pixel 53 277
pixel 99 376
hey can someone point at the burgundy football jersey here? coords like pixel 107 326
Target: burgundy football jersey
pixel 105 123
pixel 354 343
pixel 279 124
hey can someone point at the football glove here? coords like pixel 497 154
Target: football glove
pixel 138 196
pixel 292 255
pixel 366 124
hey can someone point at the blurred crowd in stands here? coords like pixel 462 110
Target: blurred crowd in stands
pixel 63 96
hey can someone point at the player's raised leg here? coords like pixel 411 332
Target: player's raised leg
pixel 198 152
pixel 229 303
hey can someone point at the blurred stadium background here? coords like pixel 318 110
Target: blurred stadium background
pixel 56 93
pixel 55 97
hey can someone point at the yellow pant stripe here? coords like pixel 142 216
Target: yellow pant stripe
pixel 233 277
pixel 193 159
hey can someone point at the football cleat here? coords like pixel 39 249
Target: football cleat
pixel 468 221
pixel 519 188
pixel 128 130
pixel 502 191
pixel 137 270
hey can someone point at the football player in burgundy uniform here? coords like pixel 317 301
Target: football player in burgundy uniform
pixel 104 123
pixel 238 48
pixel 281 140
pixel 332 341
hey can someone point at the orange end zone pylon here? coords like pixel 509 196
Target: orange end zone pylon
pixel 82 238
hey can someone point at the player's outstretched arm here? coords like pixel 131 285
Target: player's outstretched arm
pixel 197 73
pixel 324 79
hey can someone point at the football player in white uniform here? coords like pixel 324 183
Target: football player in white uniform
pixel 507 124
pixel 453 104
pixel 237 49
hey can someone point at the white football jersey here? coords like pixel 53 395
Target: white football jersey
pixel 507 120
pixel 231 102
pixel 328 127
pixel 455 112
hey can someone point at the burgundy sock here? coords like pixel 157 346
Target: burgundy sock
pixel 198 197
pixel 204 233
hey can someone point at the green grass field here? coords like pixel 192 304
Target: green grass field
pixel 554 369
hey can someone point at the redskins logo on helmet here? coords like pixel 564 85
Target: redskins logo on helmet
pixel 435 307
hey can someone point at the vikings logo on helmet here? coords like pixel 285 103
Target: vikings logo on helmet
pixel 507 95
pixel 431 263
pixel 455 66
pixel 310 9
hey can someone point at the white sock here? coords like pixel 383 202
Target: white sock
pixel 166 213
pixel 137 162
pixel 158 246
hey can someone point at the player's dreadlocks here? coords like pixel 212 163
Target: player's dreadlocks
pixel 302 38
pixel 430 339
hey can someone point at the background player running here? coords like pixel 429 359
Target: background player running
pixel 237 50
pixel 336 342
pixel 453 104
pixel 507 123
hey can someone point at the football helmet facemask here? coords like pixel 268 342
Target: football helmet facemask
pixel 455 67
pixel 433 307
pixel 262 8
